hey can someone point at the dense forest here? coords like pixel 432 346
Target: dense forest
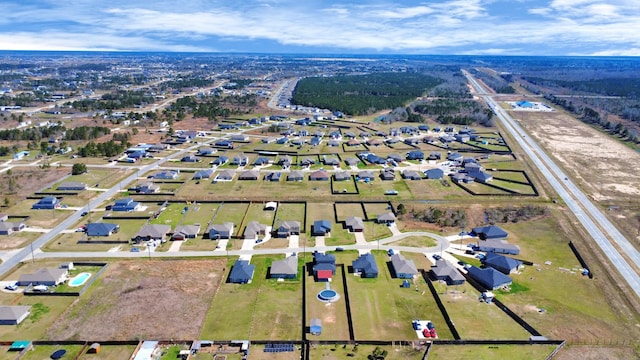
pixel 362 94
pixel 455 111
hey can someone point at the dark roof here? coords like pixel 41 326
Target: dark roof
pixel 321 227
pixel 444 270
pixel 489 278
pixel 501 263
pixel 101 229
pixel 489 232
pixel 365 264
pixel 241 272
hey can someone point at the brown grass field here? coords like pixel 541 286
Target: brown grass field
pixel 137 300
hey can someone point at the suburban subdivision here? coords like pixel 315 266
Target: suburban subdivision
pixel 232 207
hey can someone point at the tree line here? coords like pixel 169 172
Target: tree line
pixel 362 94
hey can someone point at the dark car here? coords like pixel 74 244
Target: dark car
pixel 84 213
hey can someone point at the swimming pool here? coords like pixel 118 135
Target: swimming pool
pixel 79 279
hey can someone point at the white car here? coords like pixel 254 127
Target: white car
pixel 12 287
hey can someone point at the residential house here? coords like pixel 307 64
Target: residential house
pixel 126 204
pixel 395 157
pixel 273 176
pixel 415 155
pixel 403 268
pixel 203 174
pixel 354 224
pixel 148 188
pixel 386 218
pixel 307 162
pixel 9 227
pixel 319 175
pixel 295 176
pixel 224 144
pixel 151 232
pixel 225 175
pixel 423 127
pixel 341 176
pixel 445 271
pixel 48 277
pixel 315 141
pixel 249 175
pixel 366 265
pixel 489 232
pixel 184 232
pixel 489 278
pixel 167 175
pixel 331 161
pixel 101 229
pixel 324 266
pixel 434 156
pixel 434 174
pixel 47 203
pixel 72 186
pixel 353 142
pixel 262 160
pixel 221 160
pixel 498 246
pixel 241 272
pixel 482 177
pixel 206 151
pixel 366 175
pixel 351 161
pixel 189 158
pixel 333 143
pixel 411 175
pixel 253 230
pixel 373 142
pixel 13 315
pixel 284 269
pixel 285 161
pixel 388 174
pixel 240 160
pixel 221 231
pixel 287 228
pixel 456 157
pixel 504 264
pixel 375 159
pixel 321 228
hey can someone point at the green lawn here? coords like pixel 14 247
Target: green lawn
pixel 231 212
pixel 171 216
pixel 382 310
pixel 44 351
pixel 490 352
pixel 361 352
pixel 416 241
pixel 333 315
pixel 264 309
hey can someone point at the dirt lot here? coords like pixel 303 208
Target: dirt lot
pixel 605 168
pixel 136 300
pixel 24 181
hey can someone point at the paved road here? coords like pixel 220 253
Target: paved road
pixel 9 263
pixel 593 220
pixel 382 244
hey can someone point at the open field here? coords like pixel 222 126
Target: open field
pixel 475 319
pixel 20 182
pixel 18 240
pixel 330 352
pixel 487 352
pixel 119 304
pixel 416 241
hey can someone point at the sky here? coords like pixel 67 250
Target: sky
pixel 446 27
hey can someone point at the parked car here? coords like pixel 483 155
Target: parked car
pixel 436 257
pixel 135 249
pixel 12 287
pixel 84 213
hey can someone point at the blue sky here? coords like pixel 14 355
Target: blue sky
pixel 496 27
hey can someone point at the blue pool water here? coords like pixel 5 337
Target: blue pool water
pixel 328 295
pixel 79 279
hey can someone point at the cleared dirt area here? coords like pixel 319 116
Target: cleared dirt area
pixel 24 181
pixel 604 166
pixel 139 300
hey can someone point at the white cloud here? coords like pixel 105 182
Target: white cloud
pixel 461 25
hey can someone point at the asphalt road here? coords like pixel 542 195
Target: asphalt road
pixel 593 220
pixel 73 218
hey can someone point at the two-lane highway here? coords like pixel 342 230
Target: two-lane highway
pixel 593 220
